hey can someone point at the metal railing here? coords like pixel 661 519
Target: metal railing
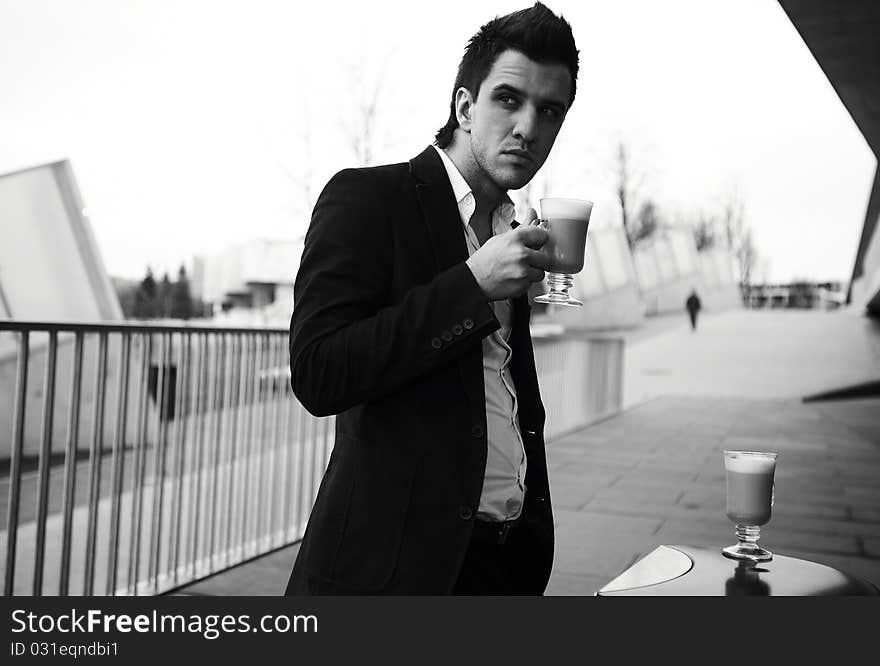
pixel 183 453
pixel 143 458
pixel 581 380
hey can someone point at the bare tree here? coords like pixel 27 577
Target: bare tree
pixel 624 189
pixel 640 219
pixel 705 231
pixel 739 236
pixel 648 221
pixel 746 257
pixel 362 123
pixel 291 153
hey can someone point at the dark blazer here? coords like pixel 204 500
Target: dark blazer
pixel 386 332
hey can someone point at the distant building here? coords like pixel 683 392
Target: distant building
pixel 799 295
pixel 50 265
pixel 669 267
pixel 249 281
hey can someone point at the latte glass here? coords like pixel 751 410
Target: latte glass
pixel 566 220
pixel 749 477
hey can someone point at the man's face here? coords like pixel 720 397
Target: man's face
pixel 513 123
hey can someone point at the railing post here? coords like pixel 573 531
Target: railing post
pixel 46 437
pixel 180 431
pixel 15 462
pixel 140 465
pixel 95 455
pixel 118 463
pixel 200 425
pixel 70 463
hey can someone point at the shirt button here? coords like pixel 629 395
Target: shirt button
pixel 457 329
pixel 465 513
pixel 436 343
pixel 446 335
pixel 477 431
pixel 468 323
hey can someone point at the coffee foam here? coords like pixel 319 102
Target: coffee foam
pixel 567 208
pixel 747 464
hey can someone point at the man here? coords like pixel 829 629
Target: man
pixel 693 305
pixel 411 322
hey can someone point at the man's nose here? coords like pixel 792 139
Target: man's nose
pixel 526 125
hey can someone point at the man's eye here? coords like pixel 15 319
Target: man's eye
pixel 550 112
pixel 507 100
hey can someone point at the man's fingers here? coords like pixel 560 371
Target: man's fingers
pixel 538 259
pixel 531 217
pixel 532 236
pixel 535 275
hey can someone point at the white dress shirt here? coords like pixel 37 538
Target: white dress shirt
pixel 504 478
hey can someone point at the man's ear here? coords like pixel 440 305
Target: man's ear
pixel 464 106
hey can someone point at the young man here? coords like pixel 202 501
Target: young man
pixel 411 322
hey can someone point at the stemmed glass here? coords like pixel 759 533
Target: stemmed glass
pixel 566 221
pixel 749 476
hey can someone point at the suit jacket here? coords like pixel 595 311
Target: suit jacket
pixel 386 332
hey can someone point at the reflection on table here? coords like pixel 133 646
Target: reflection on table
pixel 700 571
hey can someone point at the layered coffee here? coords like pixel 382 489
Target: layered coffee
pixel 566 221
pixel 749 487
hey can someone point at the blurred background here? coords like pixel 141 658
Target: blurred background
pixel 200 134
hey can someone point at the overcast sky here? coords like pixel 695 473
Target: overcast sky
pixel 195 125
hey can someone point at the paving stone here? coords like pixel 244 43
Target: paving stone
pixel 641 509
pixel 646 494
pixel 584 524
pixel 569 497
pixel 797 512
pixel 871 545
pixel 822 543
pixel 266 576
pixel 866 514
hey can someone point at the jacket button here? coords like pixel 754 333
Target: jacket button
pixel 446 335
pixel 477 431
pixel 457 329
pixel 436 343
pixel 468 323
pixel 465 513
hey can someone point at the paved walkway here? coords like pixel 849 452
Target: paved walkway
pixel 654 474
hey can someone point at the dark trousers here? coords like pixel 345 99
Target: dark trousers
pixel 492 568
pixel 693 314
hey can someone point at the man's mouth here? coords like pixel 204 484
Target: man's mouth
pixel 521 154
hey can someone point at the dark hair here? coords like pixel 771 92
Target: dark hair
pixel 535 32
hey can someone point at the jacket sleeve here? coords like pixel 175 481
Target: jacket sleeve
pixel 348 343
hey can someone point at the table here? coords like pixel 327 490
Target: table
pixel 701 571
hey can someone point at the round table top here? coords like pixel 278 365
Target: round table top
pixel 701 571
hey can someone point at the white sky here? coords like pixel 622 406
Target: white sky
pixel 192 125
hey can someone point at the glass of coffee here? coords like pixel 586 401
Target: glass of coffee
pixel 566 220
pixel 749 477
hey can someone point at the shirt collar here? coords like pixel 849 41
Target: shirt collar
pixel 464 196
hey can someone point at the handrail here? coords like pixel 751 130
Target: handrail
pixel 126 326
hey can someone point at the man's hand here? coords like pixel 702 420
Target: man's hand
pixel 505 265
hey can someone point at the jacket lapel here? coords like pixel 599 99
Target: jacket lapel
pixel 440 215
pixel 439 209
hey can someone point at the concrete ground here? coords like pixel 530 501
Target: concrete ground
pixel 653 474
